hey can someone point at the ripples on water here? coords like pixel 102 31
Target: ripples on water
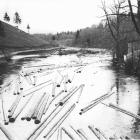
pixel 98 77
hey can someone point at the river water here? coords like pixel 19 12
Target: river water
pixel 98 76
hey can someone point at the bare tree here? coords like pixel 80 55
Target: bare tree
pixel 115 16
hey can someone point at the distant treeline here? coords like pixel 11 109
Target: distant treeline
pixel 97 36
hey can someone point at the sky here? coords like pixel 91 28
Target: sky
pixel 51 16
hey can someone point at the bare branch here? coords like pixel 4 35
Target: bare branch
pixel 127 6
pixel 108 21
pixel 122 14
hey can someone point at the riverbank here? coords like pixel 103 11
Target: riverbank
pixel 14 40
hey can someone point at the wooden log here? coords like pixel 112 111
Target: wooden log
pixel 14 103
pixel 124 111
pixel 36 90
pixel 80 93
pixel 102 133
pixel 40 112
pixel 15 106
pixel 45 123
pixel 30 114
pixel 12 119
pixel 82 133
pixel 94 132
pixel 65 97
pixel 95 103
pixel 59 134
pixel 38 106
pixel 57 124
pixel 76 132
pixel 70 95
pixel 68 133
pixel 38 85
pixel 47 107
pixel 53 89
pixel 6 132
pixel 3 111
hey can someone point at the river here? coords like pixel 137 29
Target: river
pixel 95 71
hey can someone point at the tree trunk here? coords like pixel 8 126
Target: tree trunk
pixel 133 17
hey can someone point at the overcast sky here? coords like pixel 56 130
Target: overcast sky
pixel 46 16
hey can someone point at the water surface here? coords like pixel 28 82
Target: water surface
pixel 98 75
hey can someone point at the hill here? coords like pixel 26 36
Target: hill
pixel 12 37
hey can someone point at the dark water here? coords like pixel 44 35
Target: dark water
pixel 98 77
pixel 14 66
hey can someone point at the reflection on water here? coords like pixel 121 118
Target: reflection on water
pixel 136 124
pixel 102 74
pixel 130 85
pixel 13 67
pixel 117 86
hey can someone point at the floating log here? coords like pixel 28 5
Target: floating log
pixel 65 82
pixel 12 119
pixel 94 132
pixel 124 111
pixel 38 106
pixel 80 93
pixel 102 133
pixel 65 66
pixel 42 126
pixel 3 111
pixel 36 90
pixel 82 133
pixel 53 89
pixel 6 132
pixel 96 102
pixel 59 84
pixel 57 124
pixel 62 91
pixel 76 132
pixel 44 107
pixel 70 95
pixel 65 97
pixel 59 134
pixel 37 85
pixel 30 114
pixel 43 74
pixel 27 117
pixel 12 111
pixel 73 77
pixel 35 79
pixel 68 134
pixel 14 103
pixel 40 112
pixel 28 79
